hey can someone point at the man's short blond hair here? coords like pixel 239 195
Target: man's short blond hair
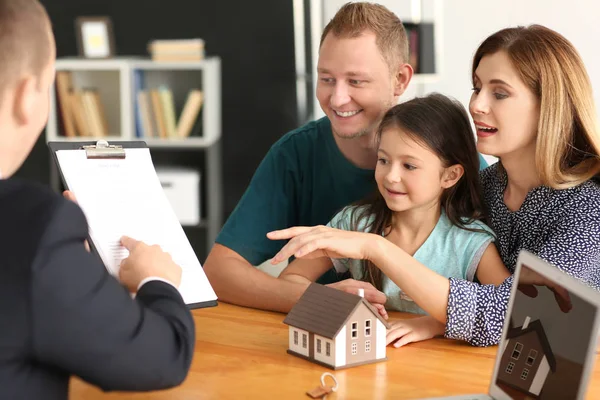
pixel 353 19
pixel 25 44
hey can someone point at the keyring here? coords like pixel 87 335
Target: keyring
pixel 325 374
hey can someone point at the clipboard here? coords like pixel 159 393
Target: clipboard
pixel 102 150
pixel 110 151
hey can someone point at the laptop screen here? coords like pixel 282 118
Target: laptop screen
pixel 549 336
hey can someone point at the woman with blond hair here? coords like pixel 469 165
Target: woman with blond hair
pixel 532 107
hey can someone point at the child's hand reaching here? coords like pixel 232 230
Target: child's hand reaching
pixel 414 330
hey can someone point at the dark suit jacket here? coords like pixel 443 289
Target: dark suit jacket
pixel 61 313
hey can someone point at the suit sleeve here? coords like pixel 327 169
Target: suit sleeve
pixel 85 322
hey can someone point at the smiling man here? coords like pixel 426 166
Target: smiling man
pixel 317 169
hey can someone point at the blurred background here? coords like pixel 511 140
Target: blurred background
pixel 267 53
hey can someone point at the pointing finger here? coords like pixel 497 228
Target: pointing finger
pixel 129 243
pixel 288 233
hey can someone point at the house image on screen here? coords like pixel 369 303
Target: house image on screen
pixel 527 359
pixel 336 329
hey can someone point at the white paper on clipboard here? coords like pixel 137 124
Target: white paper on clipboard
pixel 123 196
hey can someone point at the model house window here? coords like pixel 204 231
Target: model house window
pixel 531 357
pixel 367 346
pixel 509 367
pixel 328 349
pixel 354 330
pixel 368 327
pixel 304 340
pixel 319 346
pixel 524 373
pixel 296 338
pixel 354 348
pixel 517 350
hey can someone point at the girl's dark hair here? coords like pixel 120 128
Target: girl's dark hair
pixel 442 125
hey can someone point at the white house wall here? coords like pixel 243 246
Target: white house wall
pixel 381 331
pixel 323 356
pixel 340 348
pixel 540 377
pixel 298 348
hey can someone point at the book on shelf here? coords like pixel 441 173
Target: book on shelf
pixel 421 46
pixel 190 114
pixel 412 35
pixel 158 117
pixel 168 108
pixel 82 112
pixel 147 124
pixel 64 86
pixel 173 50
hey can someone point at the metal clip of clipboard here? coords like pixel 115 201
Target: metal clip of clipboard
pixel 104 150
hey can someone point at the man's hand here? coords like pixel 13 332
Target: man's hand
pixel 372 295
pixel 414 330
pixel 67 194
pixel 144 262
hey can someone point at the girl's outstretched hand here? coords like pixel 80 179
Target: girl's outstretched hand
pixel 413 330
pixel 323 241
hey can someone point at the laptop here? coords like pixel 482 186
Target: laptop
pixel 548 344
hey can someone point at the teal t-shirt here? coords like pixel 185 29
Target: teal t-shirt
pixel 450 251
pixel 303 180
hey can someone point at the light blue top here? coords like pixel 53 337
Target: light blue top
pixel 450 251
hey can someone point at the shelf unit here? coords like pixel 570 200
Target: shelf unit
pixel 115 81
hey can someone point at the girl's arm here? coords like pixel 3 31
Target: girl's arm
pixel 305 270
pixel 491 269
pixel 470 311
pixel 427 288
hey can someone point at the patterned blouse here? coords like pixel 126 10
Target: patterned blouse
pixel 559 226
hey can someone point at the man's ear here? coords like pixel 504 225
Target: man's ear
pixel 402 79
pixel 24 100
pixel 451 175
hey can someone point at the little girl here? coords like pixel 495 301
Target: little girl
pixel 428 203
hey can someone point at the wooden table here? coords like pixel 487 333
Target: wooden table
pixel 241 354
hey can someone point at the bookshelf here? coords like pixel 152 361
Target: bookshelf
pixel 117 82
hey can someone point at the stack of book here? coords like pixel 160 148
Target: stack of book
pixel 177 50
pixel 81 110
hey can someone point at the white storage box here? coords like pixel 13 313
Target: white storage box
pixel 182 187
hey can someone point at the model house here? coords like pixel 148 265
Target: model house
pixel 336 329
pixel 527 359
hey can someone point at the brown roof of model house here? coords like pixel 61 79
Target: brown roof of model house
pixel 324 310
